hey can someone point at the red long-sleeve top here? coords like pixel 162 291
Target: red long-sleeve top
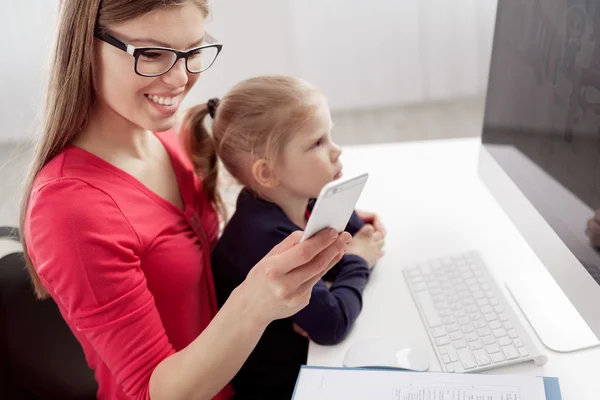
pixel 129 270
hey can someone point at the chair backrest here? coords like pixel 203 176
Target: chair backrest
pixel 39 355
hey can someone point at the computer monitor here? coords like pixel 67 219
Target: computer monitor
pixel 540 158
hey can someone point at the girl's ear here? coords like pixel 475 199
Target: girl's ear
pixel 263 175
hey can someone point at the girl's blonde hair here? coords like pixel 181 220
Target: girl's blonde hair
pixel 256 117
pixel 70 93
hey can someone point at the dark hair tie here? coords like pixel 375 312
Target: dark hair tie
pixel 212 106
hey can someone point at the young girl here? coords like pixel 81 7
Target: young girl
pixel 273 134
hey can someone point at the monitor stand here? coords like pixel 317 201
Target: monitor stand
pixel 553 317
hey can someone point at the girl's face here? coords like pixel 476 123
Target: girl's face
pixel 136 98
pixel 310 159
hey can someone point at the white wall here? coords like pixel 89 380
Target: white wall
pixel 362 54
pixel 26 28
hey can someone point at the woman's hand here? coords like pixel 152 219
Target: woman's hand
pixel 372 219
pixel 280 285
pixel 368 243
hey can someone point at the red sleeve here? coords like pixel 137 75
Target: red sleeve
pixel 86 252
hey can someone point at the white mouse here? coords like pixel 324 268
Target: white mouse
pixel 386 353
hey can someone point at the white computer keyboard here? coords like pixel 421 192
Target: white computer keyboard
pixel 470 324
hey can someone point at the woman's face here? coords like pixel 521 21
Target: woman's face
pixel 137 98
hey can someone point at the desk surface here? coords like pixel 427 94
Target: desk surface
pixel 433 204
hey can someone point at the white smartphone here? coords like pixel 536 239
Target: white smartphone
pixel 335 205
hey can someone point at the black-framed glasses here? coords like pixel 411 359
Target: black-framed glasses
pixel 156 61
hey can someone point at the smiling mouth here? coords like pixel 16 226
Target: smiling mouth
pixel 163 100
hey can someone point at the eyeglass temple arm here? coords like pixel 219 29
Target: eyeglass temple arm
pixel 114 41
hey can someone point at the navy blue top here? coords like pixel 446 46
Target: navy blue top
pixel 272 368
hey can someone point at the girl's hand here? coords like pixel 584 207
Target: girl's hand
pixel 280 285
pixel 368 244
pixel 593 230
pixel 372 219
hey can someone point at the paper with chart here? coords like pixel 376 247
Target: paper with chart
pixel 355 384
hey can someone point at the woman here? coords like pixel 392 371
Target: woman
pixel 116 224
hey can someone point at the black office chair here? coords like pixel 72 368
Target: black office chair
pixel 39 355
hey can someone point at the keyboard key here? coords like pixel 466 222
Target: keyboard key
pixel 461 287
pixel 456 281
pixel 460 314
pixel 464 268
pixel 498 309
pixel 499 332
pixel 446 359
pixel 461 344
pixel 458 335
pixel 438 331
pixel 443 350
pixel 472 308
pixel 473 336
pixel 478 274
pixel 445 285
pixel 513 334
pixel 490 317
pixel 494 302
pixel 464 294
pixel 452 327
pixel 497 357
pixel 450 368
pixel 475 287
pixel 466 359
pixel 470 281
pixel 435 292
pixel 503 317
pixel 482 302
pixel 468 302
pixel 487 340
pixel 493 348
pixel 486 309
pixel 496 325
pixel 441 305
pixel 442 341
pixel 481 358
pixel 508 325
pixel 468 275
pixel 453 355
pixel 446 313
pixel 414 271
pixel 504 341
pixel 436 265
pixel 464 321
pixel 478 295
pixel 468 329
pixel 511 352
pixel 453 299
pixel 425 269
pixel 484 331
pixel 448 320
pixel 518 342
pixel 456 306
pixel 475 345
pixel 438 298
pixel 523 352
pixel 476 315
pixel 431 314
pixel 482 279
pixel 485 287
pixel 480 323
pixel 489 294
pixel 449 292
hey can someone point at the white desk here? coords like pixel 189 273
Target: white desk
pixel 433 204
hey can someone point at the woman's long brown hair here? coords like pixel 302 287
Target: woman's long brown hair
pixel 70 93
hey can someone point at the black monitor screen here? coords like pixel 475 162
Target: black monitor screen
pixel 542 119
